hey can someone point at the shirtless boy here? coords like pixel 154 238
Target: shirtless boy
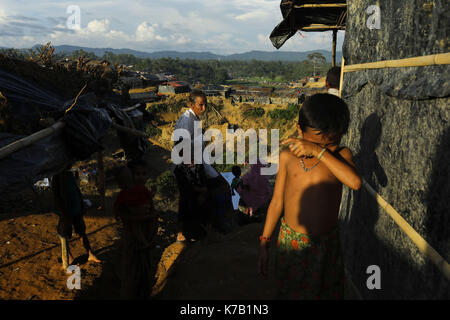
pixel 308 190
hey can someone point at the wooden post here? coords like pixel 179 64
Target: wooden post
pixel 101 180
pixel 333 62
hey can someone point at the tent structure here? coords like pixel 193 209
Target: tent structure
pixel 310 15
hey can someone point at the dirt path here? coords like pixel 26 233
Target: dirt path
pixel 221 268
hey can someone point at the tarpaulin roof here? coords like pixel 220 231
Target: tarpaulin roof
pixel 308 15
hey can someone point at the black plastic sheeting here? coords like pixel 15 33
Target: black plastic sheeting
pixel 134 146
pixel 297 18
pixel 85 126
pixel 40 160
pixel 80 138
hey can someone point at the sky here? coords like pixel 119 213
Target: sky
pixel 221 27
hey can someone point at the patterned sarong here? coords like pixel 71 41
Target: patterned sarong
pixel 309 267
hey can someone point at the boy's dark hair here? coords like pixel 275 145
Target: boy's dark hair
pixel 133 164
pixel 325 112
pixel 236 170
pixel 333 77
pixel 196 93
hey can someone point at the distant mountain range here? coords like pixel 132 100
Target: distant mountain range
pixel 246 56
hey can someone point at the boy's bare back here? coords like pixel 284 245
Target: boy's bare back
pixel 312 198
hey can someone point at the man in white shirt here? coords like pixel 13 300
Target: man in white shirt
pixel 332 80
pixel 216 184
pixel 197 103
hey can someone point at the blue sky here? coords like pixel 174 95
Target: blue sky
pixel 223 27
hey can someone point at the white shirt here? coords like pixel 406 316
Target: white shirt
pixel 333 91
pixel 186 121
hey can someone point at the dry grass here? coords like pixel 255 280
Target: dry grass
pixel 148 89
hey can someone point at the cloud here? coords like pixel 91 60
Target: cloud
pixel 98 26
pixel 215 25
pixel 148 32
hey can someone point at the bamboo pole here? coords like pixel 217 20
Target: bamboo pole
pixel 341 81
pixel 22 143
pixel 322 27
pixel 420 242
pixel 101 180
pixel 430 60
pixel 137 105
pixel 324 5
pixel 333 49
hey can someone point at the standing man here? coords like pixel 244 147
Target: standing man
pixel 197 107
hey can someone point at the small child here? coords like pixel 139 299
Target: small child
pixel 237 180
pixel 134 206
pixel 70 208
pixel 308 190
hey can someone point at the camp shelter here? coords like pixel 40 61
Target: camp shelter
pixel 310 16
pixel 76 133
pixel 216 90
pixel 396 82
pixel 174 87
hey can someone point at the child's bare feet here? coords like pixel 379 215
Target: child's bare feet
pixel 93 258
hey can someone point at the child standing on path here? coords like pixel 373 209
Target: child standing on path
pixel 70 209
pixel 134 206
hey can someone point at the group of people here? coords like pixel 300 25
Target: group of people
pixel 311 173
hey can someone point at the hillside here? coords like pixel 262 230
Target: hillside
pixel 245 56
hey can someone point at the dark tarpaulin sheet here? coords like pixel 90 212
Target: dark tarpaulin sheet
pixel 40 160
pixel 134 147
pixel 296 18
pixel 85 126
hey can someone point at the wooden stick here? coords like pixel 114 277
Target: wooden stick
pixel 76 98
pixel 434 59
pixel 22 143
pixel 325 5
pixel 137 105
pixel 322 27
pixel 420 242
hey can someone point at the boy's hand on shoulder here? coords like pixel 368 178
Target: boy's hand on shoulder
pixel 302 148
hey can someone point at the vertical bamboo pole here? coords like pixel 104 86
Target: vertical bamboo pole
pixel 333 62
pixel 101 179
pixel 341 80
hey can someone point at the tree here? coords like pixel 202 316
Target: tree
pixel 316 57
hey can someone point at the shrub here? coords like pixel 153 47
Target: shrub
pixel 165 184
pixel 153 131
pixel 291 112
pixel 253 112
